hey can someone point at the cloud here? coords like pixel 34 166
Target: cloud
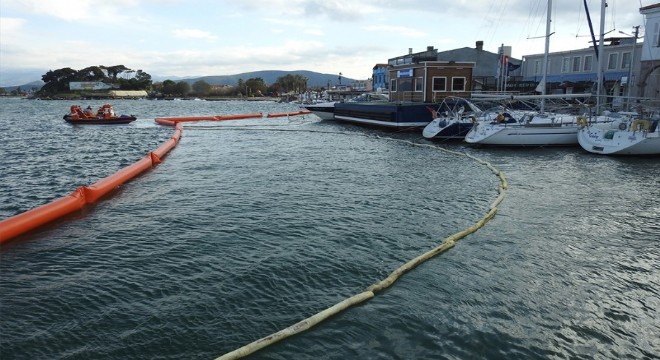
pixel 9 27
pixel 340 10
pixel 85 11
pixel 193 34
pixel 398 30
pixel 315 32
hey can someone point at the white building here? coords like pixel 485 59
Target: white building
pixel 649 75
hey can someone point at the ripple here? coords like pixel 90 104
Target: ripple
pixel 238 234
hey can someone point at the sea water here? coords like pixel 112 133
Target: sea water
pixel 250 226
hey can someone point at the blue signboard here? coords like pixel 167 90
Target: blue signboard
pixel 405 73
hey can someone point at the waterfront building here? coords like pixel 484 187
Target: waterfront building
pixel 380 76
pixel 648 85
pixel 492 71
pixel 576 71
pixel 420 77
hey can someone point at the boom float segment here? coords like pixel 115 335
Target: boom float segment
pixel 294 113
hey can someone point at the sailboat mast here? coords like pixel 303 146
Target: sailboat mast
pixel 601 58
pixel 545 56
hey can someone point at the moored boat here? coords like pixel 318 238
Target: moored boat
pixel 105 115
pixel 326 110
pixel 626 136
pixel 511 128
pixel 452 120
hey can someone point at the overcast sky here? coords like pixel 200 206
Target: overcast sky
pixel 191 38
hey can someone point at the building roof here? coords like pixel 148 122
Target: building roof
pixel 128 93
pixel 486 61
pixel 650 7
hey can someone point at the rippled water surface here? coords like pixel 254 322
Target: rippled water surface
pixel 250 226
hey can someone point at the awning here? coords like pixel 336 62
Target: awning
pixel 609 76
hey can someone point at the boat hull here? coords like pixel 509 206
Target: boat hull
pixel 326 111
pixel 388 115
pixel 522 135
pixel 619 142
pixel 443 129
pixel 124 119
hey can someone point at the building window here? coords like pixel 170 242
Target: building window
pixel 588 62
pixel 419 84
pixel 625 60
pixel 440 84
pixel 405 84
pixel 458 84
pixel 565 62
pixel 393 85
pixel 656 35
pixel 613 59
pixel 576 64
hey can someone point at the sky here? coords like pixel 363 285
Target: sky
pixel 192 38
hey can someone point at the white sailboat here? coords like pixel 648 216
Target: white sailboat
pixel 533 128
pixel 452 120
pixel 627 136
pixel 632 135
pixel 530 129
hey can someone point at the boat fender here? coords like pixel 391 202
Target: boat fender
pixel 640 124
pixel 622 126
pixel 581 121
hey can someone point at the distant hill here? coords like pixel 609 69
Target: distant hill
pixel 314 79
pixel 270 76
pixel 35 85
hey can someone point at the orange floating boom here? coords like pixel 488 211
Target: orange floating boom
pixel 170 121
pixel 294 113
pixel 32 219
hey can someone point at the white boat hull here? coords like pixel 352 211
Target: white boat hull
pixel 381 123
pixel 608 141
pixel 447 128
pixel 522 135
pixel 326 110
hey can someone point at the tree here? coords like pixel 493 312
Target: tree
pixel 168 88
pixel 92 73
pixel 201 88
pixel 140 81
pixel 256 86
pixel 57 81
pixel 182 88
pixel 114 71
pixel 295 83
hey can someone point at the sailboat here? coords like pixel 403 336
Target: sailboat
pixel 632 135
pixel 452 120
pixel 627 136
pixel 536 128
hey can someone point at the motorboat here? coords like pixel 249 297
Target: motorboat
pixel 452 120
pixel 326 110
pixel 105 115
pixel 628 135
